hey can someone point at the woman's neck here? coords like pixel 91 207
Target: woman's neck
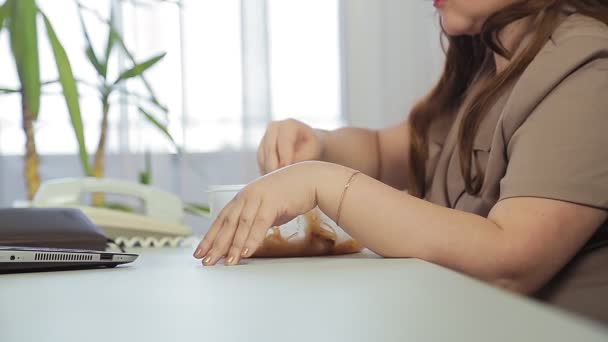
pixel 513 38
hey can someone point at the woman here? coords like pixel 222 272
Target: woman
pixel 505 162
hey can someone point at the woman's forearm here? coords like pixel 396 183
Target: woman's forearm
pixel 356 148
pixel 382 155
pixel 395 224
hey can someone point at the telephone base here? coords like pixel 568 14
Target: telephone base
pixel 156 242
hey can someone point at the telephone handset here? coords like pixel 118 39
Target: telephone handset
pixel 161 222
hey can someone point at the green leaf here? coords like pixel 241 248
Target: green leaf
pixel 44 83
pixel 110 41
pixel 118 39
pixel 24 44
pixel 90 52
pixel 160 126
pixel 118 207
pixel 8 91
pixel 145 177
pixel 121 43
pixel 70 92
pixel 139 69
pixel 197 209
pixel 149 100
pixel 4 11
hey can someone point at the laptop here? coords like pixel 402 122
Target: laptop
pixel 15 259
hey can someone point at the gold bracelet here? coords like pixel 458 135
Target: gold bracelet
pixel 346 186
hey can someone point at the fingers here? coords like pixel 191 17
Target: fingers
pixel 277 148
pixel 263 221
pixel 242 230
pixel 224 238
pixel 286 142
pixel 271 158
pixel 207 242
pixel 261 156
pixel 245 223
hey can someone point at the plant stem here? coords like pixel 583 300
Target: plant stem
pixel 98 164
pixel 31 173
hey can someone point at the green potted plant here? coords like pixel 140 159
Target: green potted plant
pixel 109 85
pixel 20 17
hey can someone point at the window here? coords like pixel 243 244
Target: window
pixel 231 66
pixel 305 63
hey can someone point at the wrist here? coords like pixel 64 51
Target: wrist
pixel 328 184
pixel 322 137
pixel 311 173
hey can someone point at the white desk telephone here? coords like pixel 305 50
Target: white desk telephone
pixel 160 224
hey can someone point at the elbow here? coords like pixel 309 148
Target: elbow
pixel 515 285
pixel 518 278
pixel 517 273
pixel 523 278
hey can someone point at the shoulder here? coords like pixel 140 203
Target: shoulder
pixel 576 55
pixel 577 40
pixel 577 26
pixel 571 68
pixel 579 47
pixel 578 36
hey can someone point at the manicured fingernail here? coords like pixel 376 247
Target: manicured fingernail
pixel 197 253
pixel 245 251
pixel 230 260
pixel 207 259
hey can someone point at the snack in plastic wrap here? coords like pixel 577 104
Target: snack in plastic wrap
pixel 319 236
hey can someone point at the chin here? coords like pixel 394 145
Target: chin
pixel 456 26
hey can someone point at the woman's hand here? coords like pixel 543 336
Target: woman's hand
pixel 287 142
pixel 273 200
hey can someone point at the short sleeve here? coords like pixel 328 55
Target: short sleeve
pixel 561 151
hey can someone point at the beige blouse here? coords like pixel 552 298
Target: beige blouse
pixel 546 137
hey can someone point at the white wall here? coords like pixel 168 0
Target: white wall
pixel 391 57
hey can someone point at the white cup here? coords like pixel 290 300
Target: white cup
pixel 220 196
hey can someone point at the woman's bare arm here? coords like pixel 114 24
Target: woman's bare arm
pixel 520 245
pixel 381 154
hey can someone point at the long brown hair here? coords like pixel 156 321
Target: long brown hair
pixel 466 58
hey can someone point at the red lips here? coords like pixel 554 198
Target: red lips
pixel 437 3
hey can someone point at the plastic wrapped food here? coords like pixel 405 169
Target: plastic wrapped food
pixel 312 234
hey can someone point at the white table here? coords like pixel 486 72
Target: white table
pixel 168 296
